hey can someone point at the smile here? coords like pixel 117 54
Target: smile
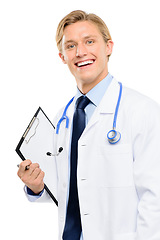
pixel 84 63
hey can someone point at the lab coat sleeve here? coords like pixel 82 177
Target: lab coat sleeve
pixel 146 151
pixel 44 197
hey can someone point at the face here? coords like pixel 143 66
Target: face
pixel 86 54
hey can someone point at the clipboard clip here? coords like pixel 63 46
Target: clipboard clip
pixel 29 127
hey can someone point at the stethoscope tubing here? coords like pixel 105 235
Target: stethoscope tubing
pixel 64 117
pixel 117 106
pixel 112 140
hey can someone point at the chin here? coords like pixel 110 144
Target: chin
pixel 87 78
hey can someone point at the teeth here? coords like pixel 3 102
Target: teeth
pixel 84 63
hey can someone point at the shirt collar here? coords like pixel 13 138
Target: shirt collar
pixel 96 94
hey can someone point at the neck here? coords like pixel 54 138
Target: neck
pixel 85 87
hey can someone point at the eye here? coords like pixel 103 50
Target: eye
pixel 70 46
pixel 90 42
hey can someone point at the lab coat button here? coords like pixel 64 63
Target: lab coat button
pixel 86 214
pixel 64 185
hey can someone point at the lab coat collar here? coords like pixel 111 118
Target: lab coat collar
pixel 107 104
pixel 109 101
pixel 96 93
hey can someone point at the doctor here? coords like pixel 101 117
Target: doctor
pixel 116 186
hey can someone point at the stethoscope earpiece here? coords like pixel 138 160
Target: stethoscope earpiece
pixel 113 136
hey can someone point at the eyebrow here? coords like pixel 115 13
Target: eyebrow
pixel 86 37
pixel 90 36
pixel 69 41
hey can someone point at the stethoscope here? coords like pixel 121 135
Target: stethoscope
pixel 113 135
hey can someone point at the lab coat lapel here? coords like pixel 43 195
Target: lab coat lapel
pixel 70 113
pixel 63 139
pixel 109 101
pixel 107 104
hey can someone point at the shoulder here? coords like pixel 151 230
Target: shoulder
pixel 140 109
pixel 137 101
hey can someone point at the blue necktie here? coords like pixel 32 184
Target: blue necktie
pixel 73 229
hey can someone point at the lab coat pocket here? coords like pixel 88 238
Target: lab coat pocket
pixel 115 164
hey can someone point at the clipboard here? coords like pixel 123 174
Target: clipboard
pixel 37 140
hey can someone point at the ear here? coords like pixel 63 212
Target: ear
pixel 109 47
pixel 62 58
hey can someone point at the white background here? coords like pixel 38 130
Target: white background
pixel 32 75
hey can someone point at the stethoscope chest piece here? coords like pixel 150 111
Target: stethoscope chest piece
pixel 113 136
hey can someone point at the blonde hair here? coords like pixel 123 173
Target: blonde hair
pixel 76 16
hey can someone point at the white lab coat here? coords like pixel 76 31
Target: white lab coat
pixel 118 185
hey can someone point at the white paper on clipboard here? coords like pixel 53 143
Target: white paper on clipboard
pixel 37 140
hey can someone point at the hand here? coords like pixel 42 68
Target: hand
pixel 33 177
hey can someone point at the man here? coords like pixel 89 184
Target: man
pixel 105 191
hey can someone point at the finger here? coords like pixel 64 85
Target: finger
pixel 22 167
pixel 24 163
pixel 29 179
pixel 39 179
pixel 35 173
pixel 32 168
pixel 37 184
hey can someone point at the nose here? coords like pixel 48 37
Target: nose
pixel 81 50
